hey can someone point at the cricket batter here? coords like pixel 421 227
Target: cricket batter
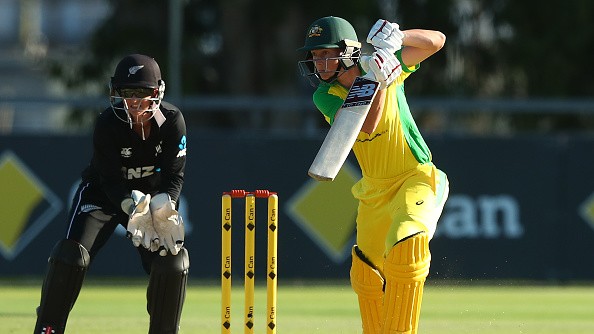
pixel 134 179
pixel 402 193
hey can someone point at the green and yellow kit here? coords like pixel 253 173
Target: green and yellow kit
pixel 401 192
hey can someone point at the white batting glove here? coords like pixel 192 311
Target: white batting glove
pixel 140 224
pixel 382 66
pixel 386 35
pixel 168 224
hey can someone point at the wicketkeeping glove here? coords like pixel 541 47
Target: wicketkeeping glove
pixel 386 35
pixel 382 66
pixel 140 224
pixel 168 224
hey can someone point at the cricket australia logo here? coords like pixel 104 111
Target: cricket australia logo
pixel 134 69
pixel 315 31
pixel 126 152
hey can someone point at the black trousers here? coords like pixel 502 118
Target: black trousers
pixel 93 220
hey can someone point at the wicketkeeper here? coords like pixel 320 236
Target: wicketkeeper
pixel 134 179
pixel 401 194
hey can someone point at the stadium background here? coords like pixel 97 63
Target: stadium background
pixel 516 144
pixel 493 226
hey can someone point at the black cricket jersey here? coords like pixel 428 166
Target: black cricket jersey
pixel 122 161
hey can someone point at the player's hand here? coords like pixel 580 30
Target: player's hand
pixel 168 224
pixel 386 35
pixel 140 224
pixel 382 66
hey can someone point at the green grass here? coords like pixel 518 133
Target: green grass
pixel 113 307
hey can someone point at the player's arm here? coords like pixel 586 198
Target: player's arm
pixel 173 158
pixel 387 39
pixel 375 112
pixel 166 219
pixel 420 44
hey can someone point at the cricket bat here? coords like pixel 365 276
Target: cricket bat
pixel 344 131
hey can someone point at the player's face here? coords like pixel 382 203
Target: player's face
pixel 326 62
pixel 138 103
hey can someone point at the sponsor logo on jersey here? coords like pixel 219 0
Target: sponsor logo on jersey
pixel 126 152
pixel 138 172
pixel 182 147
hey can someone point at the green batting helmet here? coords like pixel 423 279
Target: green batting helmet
pixel 330 32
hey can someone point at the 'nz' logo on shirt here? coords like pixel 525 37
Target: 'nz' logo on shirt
pixel 138 172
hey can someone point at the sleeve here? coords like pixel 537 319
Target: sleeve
pixel 406 69
pixel 173 159
pixel 328 103
pixel 106 161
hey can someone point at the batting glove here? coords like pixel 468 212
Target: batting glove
pixel 168 224
pixel 382 66
pixel 140 224
pixel 386 35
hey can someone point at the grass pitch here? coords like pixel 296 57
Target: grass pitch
pixel 119 307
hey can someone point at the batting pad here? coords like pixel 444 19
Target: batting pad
pixel 166 292
pixel 405 270
pixel 67 267
pixel 368 284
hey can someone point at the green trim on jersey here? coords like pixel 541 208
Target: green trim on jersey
pixel 328 99
pixel 415 141
pixel 404 67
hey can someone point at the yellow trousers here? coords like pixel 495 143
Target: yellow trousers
pixel 393 209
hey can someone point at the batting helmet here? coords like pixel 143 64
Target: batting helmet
pixel 330 32
pixel 140 72
pixel 137 70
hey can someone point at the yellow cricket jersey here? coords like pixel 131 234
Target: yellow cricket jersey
pixel 396 146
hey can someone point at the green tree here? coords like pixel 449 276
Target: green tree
pixel 494 48
pixel 551 46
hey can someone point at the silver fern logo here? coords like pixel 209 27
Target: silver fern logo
pixel 89 208
pixel 134 69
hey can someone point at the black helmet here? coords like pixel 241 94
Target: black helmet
pixel 137 70
pixel 140 72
